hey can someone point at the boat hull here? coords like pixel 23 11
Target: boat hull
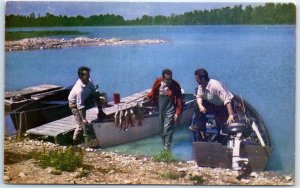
pixel 216 152
pixel 45 108
pixel 216 155
pixel 108 134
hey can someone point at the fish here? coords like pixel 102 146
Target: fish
pixel 127 119
pixel 117 118
pixel 132 117
pixel 139 114
pixel 121 119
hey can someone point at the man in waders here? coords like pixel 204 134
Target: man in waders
pixel 81 91
pixel 212 98
pixel 167 93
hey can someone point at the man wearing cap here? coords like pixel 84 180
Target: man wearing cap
pixel 78 96
pixel 167 92
pixel 212 98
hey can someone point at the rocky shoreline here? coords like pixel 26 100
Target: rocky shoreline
pixel 113 168
pixel 47 43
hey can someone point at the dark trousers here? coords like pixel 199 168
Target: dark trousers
pixel 220 112
pixel 166 115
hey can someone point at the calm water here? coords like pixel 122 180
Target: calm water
pixel 256 62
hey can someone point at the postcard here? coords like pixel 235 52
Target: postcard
pixel 161 93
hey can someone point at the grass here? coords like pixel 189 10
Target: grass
pixel 198 180
pixel 64 160
pixel 18 35
pixel 170 175
pixel 164 156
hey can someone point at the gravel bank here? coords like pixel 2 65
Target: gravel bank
pixel 112 168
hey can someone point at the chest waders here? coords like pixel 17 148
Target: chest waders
pixel 166 115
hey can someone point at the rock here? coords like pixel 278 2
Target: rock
pixel 190 162
pixel 6 178
pixel 181 169
pixel 112 171
pixel 80 169
pixel 49 170
pixel 75 174
pixel 127 182
pixel 22 174
pixel 89 149
pixel 245 180
pixel 288 178
pixel 254 175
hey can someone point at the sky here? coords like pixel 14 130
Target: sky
pixel 129 10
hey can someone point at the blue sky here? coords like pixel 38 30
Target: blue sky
pixel 129 10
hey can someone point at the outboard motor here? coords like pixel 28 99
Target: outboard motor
pixel 236 132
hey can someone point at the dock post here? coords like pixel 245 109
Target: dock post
pixel 20 125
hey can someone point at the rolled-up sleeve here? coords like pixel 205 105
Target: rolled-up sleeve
pixel 225 95
pixel 200 92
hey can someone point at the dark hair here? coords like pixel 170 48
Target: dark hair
pixel 166 71
pixel 202 74
pixel 81 69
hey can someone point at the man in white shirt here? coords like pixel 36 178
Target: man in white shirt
pixel 212 98
pixel 80 92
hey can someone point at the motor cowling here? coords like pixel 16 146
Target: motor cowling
pixel 238 127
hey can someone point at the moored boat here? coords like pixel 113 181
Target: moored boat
pixel 109 134
pixel 243 145
pixel 42 108
pixel 16 99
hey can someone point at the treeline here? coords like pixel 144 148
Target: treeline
pixel 51 20
pixel 270 13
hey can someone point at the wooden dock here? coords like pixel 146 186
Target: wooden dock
pixel 15 99
pixel 66 125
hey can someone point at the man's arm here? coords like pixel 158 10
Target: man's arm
pixel 201 107
pixel 81 114
pixel 156 83
pixel 81 107
pixel 230 112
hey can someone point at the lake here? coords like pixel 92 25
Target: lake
pixel 255 62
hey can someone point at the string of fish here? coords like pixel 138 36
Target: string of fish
pixel 126 116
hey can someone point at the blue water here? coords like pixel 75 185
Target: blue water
pixel 256 62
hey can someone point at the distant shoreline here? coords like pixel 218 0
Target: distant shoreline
pixel 47 43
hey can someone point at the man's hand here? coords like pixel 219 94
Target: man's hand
pixel 176 117
pixel 230 119
pixel 102 99
pixel 85 122
pixel 202 109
